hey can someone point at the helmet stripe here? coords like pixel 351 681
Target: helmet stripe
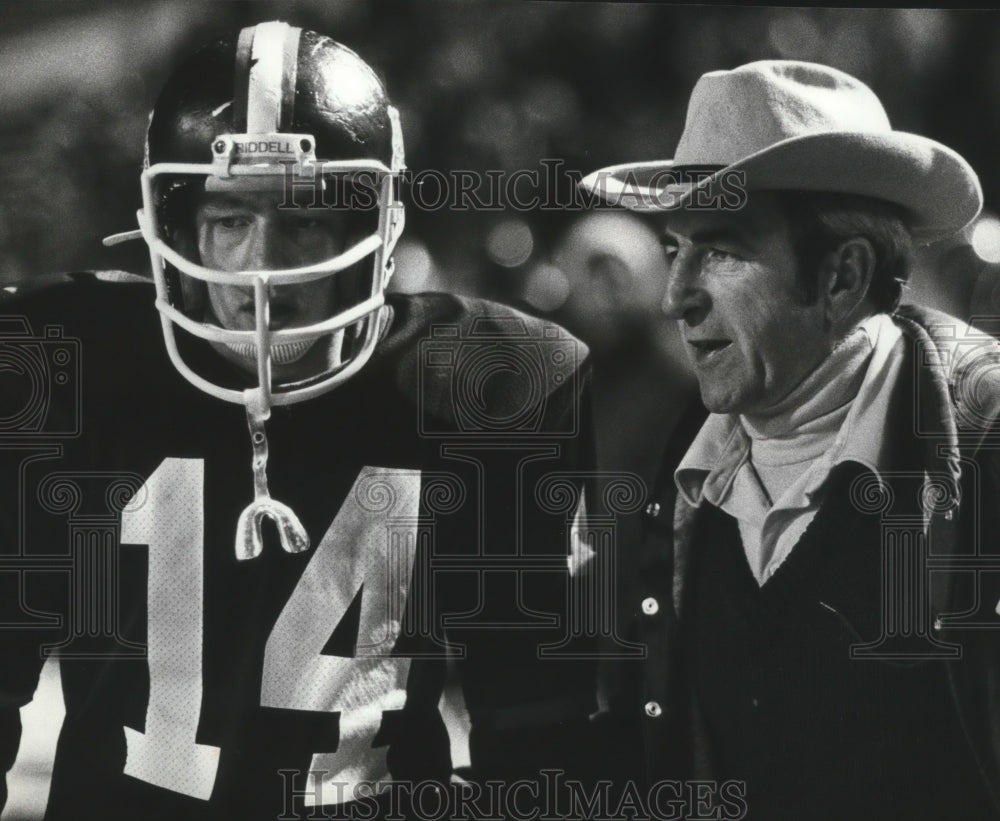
pixel 264 83
pixel 242 69
pixel 289 77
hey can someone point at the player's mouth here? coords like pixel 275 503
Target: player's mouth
pixel 282 314
pixel 707 350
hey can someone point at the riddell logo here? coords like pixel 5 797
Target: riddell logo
pixel 264 147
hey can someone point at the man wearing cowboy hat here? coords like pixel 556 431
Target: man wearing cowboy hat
pixel 833 648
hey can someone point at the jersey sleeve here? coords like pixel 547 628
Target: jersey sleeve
pixel 527 657
pixel 39 416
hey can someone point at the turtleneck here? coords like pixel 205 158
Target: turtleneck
pixel 786 439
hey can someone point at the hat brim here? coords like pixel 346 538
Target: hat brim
pixel 937 187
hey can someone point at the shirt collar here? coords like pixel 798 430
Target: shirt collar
pixel 710 464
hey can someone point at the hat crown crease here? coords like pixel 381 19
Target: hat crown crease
pixel 734 114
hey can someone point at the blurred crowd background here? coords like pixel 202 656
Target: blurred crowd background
pixel 554 88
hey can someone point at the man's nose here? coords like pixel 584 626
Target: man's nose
pixel 270 248
pixel 685 296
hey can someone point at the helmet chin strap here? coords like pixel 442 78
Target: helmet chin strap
pixel 249 542
pixel 283 354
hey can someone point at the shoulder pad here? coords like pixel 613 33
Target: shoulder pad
pixel 477 366
pixel 40 283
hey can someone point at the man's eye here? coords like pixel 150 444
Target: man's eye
pixel 719 255
pixel 231 222
pixel 669 251
pixel 308 223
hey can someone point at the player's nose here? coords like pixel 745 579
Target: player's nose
pixel 270 248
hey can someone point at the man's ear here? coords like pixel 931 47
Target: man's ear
pixel 846 278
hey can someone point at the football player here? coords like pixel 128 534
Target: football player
pixel 252 510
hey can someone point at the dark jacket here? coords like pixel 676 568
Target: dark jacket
pixel 948 426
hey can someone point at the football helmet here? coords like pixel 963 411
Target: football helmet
pixel 273 118
pixel 290 111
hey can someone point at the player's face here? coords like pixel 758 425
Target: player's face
pixel 245 231
pixel 731 280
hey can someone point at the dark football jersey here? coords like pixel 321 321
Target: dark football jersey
pixel 439 488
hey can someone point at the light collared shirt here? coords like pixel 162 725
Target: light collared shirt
pixel 717 467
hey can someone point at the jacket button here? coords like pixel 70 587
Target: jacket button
pixel 653 709
pixel 653 509
pixel 650 606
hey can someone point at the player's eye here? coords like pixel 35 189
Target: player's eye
pixel 230 221
pixel 308 223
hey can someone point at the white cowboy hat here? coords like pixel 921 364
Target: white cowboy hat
pixel 787 125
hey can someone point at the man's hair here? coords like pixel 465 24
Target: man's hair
pixel 820 221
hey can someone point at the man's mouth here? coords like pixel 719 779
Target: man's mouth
pixel 281 314
pixel 706 349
